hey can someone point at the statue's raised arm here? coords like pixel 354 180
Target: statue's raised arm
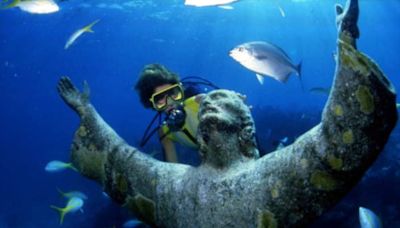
pixel 322 165
pixel 233 187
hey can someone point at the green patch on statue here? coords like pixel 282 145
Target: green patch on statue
pixel 365 99
pixel 266 219
pixel 143 206
pixel 348 137
pixel 334 162
pixel 323 181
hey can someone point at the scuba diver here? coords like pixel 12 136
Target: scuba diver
pixel 177 104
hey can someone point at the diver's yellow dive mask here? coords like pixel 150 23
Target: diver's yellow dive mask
pixel 159 99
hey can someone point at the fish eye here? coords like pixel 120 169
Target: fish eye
pixel 240 49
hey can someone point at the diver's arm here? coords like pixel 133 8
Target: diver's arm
pixel 312 174
pixel 169 149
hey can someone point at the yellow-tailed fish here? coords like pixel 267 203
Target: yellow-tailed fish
pixel 34 6
pixel 78 33
pixel 72 194
pixel 57 166
pixel 73 204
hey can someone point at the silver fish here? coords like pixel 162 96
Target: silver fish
pixel 202 3
pixel 265 59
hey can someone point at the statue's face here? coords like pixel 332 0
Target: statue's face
pixel 225 121
pixel 220 111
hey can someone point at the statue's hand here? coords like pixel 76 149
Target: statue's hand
pixel 71 95
pixel 347 18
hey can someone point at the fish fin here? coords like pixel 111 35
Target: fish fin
pixel 88 28
pixel 226 7
pixel 335 56
pixel 260 79
pixel 12 4
pixel 298 72
pixel 61 192
pixel 71 166
pixel 62 212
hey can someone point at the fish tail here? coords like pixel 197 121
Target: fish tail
pixel 88 28
pixel 71 166
pixel 62 212
pixel 298 71
pixel 12 4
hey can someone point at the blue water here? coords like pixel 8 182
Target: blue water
pixel 36 126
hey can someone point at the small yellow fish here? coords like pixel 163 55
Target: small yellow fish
pixel 79 32
pixel 73 204
pixel 72 194
pixel 34 6
pixel 57 166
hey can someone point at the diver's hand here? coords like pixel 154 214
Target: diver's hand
pixel 70 94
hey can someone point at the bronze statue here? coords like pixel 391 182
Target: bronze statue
pixel 233 186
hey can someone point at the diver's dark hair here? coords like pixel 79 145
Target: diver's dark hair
pixel 153 75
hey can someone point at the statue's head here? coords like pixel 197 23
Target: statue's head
pixel 226 126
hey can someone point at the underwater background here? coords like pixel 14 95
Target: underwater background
pixel 37 127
